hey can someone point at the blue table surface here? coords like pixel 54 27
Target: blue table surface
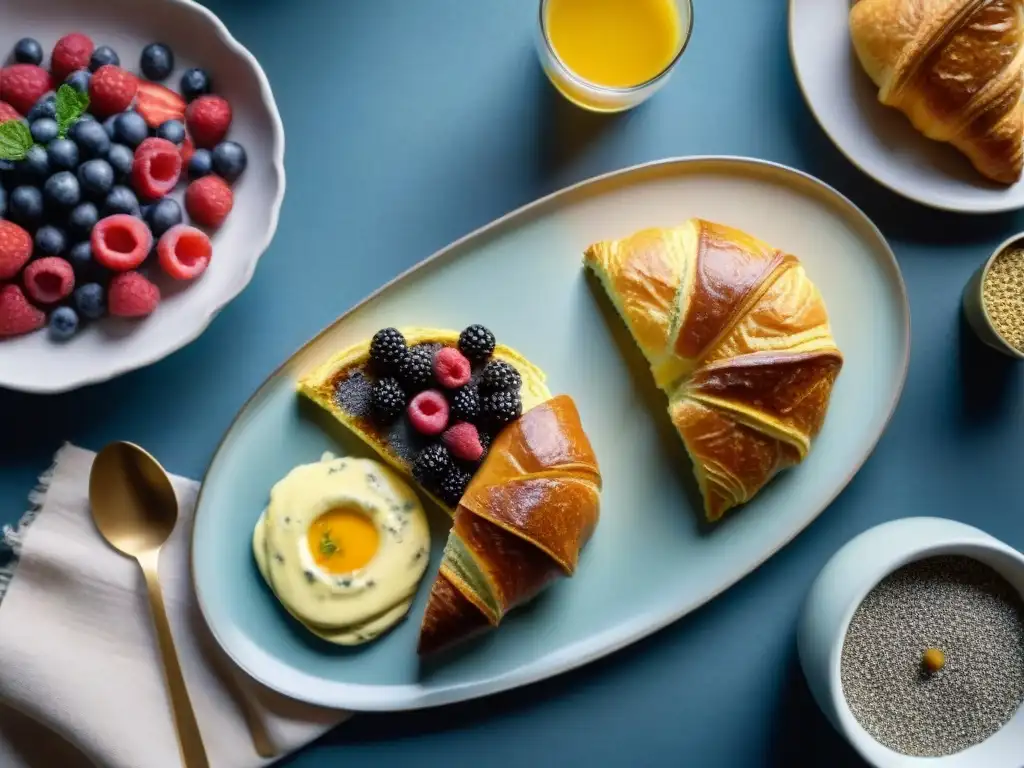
pixel 412 123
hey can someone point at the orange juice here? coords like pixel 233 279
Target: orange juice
pixel 614 43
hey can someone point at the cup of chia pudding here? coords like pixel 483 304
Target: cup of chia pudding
pixel 993 300
pixel 912 643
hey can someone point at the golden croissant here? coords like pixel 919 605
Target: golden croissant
pixel 529 510
pixel 955 68
pixel 737 336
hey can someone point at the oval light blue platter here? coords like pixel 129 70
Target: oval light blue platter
pixel 651 560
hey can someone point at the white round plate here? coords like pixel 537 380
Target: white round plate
pixel 878 139
pixel 110 347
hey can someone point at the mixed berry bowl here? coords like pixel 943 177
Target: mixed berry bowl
pixel 141 178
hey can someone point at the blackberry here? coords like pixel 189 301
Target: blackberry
pixel 415 369
pixel 387 350
pixel 500 375
pixel 432 465
pixel 465 403
pixel 388 399
pixel 502 407
pixel 476 343
pixel 453 486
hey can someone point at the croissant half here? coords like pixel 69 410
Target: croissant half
pixel 521 524
pixel 955 68
pixel 737 336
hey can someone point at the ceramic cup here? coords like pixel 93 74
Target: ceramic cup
pixel 839 589
pixel 974 303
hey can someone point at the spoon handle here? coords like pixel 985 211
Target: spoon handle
pixel 190 741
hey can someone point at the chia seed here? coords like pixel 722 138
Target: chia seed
pixel 969 612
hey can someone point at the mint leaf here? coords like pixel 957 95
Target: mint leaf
pixel 71 105
pixel 15 140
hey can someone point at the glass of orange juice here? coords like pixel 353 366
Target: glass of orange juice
pixel 610 55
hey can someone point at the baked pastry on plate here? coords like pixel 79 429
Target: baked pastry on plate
pixel 955 68
pixel 737 336
pixel 473 423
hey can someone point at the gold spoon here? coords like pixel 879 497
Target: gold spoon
pixel 134 508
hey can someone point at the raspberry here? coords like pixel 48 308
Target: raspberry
pixel 463 440
pixel 22 85
pixel 121 242
pixel 431 465
pixel 208 119
pixel 209 200
pixel 15 249
pixel 71 52
pixel 157 104
pixel 497 375
pixel 132 295
pixel 388 400
pixel 387 351
pixel 49 280
pixel 156 168
pixel 7 112
pixel 17 316
pixel 476 343
pixel 111 90
pixel 451 368
pixel 428 412
pixel 184 252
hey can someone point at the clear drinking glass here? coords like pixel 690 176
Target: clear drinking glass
pixel 601 98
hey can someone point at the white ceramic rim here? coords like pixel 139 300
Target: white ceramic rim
pixel 971 538
pixel 277 161
pixel 909 194
pixel 373 698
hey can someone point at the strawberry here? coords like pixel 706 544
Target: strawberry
pixel 209 201
pixel 17 316
pixel 184 252
pixel 157 104
pixel 132 295
pixel 111 90
pixel 7 112
pixel 72 52
pixel 188 148
pixel 208 119
pixel 48 280
pixel 23 85
pixel 156 169
pixel 15 249
pixel 121 242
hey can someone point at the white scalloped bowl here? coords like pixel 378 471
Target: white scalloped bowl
pixel 113 347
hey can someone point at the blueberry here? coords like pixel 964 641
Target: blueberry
pixel 108 126
pixel 36 165
pixel 3 203
pixel 91 301
pixel 10 174
pixel 120 159
pixel 130 129
pixel 45 107
pixel 62 190
pixel 82 219
pixel 194 83
pixel 157 61
pixel 50 241
pixel 90 137
pixel 121 200
pixel 62 154
pixel 28 51
pixel 172 130
pixel 79 80
pixel 63 323
pixel 201 164
pixel 44 130
pixel 162 215
pixel 229 160
pixel 81 259
pixel 25 206
pixel 102 56
pixel 96 177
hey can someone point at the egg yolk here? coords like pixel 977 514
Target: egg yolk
pixel 343 540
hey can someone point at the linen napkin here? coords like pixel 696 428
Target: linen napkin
pixel 81 682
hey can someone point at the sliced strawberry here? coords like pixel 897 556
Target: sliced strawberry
pixel 157 104
pixel 184 252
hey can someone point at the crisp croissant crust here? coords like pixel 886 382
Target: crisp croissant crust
pixel 955 68
pixel 529 510
pixel 737 336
